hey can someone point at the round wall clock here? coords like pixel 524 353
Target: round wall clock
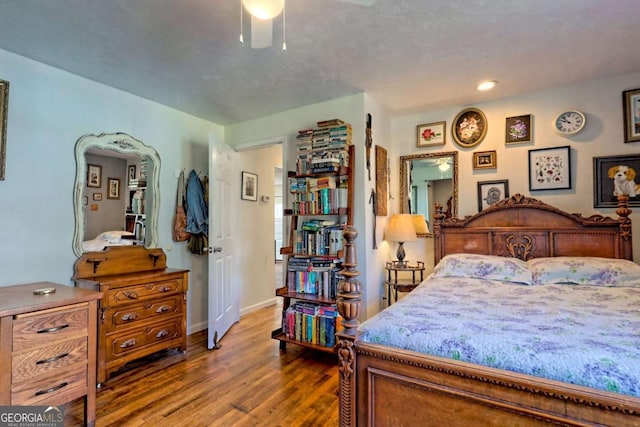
pixel 569 122
pixel 469 127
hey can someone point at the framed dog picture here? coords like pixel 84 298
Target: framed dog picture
pixel 613 176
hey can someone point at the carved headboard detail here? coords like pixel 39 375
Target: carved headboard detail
pixel 524 227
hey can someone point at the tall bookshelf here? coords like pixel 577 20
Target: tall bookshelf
pixel 320 205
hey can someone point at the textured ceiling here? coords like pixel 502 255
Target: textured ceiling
pixel 409 55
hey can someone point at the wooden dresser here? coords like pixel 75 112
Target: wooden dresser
pixel 143 308
pixel 48 346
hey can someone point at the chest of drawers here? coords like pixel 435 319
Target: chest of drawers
pixel 143 308
pixel 48 346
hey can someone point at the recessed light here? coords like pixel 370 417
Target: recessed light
pixel 490 84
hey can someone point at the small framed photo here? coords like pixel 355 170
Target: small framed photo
pixel 94 176
pixel 97 197
pixel 631 108
pixel 469 127
pixel 131 174
pixel 85 200
pixel 550 168
pixel 432 134
pixel 518 129
pixel 249 186
pixel 613 176
pixel 490 192
pixel 485 160
pixel 113 191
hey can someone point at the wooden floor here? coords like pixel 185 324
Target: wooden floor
pixel 247 382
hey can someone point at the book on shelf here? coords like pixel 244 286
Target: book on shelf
pixel 315 324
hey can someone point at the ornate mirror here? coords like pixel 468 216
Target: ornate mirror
pixel 427 179
pixel 116 192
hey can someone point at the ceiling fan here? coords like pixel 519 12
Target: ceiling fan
pixel 262 13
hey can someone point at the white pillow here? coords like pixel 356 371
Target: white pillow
pixel 488 267
pixel 594 271
pixel 111 236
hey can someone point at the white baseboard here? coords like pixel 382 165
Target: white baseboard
pixel 258 306
pixel 192 329
pixel 201 326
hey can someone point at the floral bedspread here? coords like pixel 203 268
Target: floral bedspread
pixel 579 334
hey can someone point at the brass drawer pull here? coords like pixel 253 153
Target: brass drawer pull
pixel 51 390
pixel 165 289
pixel 131 295
pixel 52 359
pixel 54 329
pixel 163 333
pixel 163 309
pixel 129 343
pixel 129 317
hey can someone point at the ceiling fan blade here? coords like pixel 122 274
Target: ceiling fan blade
pixel 360 2
pixel 261 32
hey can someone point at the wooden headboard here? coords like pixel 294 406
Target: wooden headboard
pixel 526 228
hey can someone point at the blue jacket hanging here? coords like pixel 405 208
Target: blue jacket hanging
pixel 197 209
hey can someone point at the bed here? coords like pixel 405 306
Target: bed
pixel 552 266
pixel 108 238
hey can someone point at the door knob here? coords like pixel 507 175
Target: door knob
pixel 215 249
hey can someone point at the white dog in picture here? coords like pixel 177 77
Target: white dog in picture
pixel 624 180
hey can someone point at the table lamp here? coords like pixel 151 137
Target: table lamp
pixel 401 229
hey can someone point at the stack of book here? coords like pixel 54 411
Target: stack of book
pixel 312 323
pixel 314 239
pixel 313 277
pixel 324 149
pixel 319 196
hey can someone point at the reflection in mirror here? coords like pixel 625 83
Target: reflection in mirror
pixel 427 179
pixel 116 192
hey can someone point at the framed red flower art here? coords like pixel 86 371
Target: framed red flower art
pixel 432 134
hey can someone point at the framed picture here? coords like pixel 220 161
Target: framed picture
pixel 249 186
pixel 490 192
pixel 550 168
pixel 131 174
pixel 113 190
pixel 485 160
pixel 94 176
pixel 613 176
pixel 631 108
pixel 518 129
pixel 432 134
pixel 97 196
pixel 469 127
pixel 85 200
pixel 4 106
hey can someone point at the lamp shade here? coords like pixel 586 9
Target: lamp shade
pixel 420 224
pixel 401 229
pixel 264 9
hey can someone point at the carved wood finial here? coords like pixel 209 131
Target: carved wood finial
pixel 349 304
pixel 349 289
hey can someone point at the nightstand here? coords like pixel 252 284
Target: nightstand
pixel 402 277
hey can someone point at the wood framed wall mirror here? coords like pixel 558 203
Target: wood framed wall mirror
pixel 116 193
pixel 427 179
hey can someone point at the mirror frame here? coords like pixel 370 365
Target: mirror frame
pixel 404 192
pixel 120 143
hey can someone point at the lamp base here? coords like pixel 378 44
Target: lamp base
pixel 400 255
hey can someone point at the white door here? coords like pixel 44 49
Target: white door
pixel 224 308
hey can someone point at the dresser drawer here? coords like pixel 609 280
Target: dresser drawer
pixel 143 292
pixel 54 389
pixel 123 344
pixel 135 314
pixel 45 360
pixel 43 327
